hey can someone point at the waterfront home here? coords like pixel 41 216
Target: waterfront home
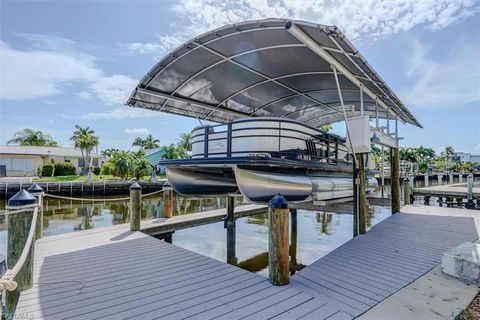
pixel 25 161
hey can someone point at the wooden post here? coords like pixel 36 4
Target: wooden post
pixel 411 186
pixel 395 179
pixel 406 191
pixel 293 241
pixel 135 206
pixel 425 177
pixel 231 231
pixel 167 200
pixel 278 264
pixel 362 195
pixel 37 191
pixel 18 230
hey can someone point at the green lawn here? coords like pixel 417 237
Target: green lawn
pixel 84 178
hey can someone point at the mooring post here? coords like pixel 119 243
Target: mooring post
pixel 406 191
pixel 167 200
pixel 470 204
pixel 395 179
pixel 362 195
pixel 18 229
pixel 412 188
pixel 293 240
pixel 229 224
pixel 135 206
pixel 278 259
pixel 37 191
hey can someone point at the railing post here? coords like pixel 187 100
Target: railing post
pixel 470 204
pixel 167 200
pixel 18 229
pixel 135 206
pixel 406 191
pixel 37 191
pixel 278 258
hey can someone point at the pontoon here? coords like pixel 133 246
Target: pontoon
pixel 271 84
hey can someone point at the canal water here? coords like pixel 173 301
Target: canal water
pixel 318 232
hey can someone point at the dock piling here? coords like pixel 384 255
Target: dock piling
pixel 19 224
pixel 362 195
pixel 450 178
pixel 406 191
pixel 37 191
pixel 425 179
pixel 231 231
pixel 135 206
pixel 460 177
pixel 167 200
pixel 470 204
pixel 278 249
pixel 395 179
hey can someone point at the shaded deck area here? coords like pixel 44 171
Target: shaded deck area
pixel 113 273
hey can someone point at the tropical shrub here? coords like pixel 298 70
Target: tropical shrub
pixel 96 170
pixel 107 168
pixel 47 170
pixel 64 169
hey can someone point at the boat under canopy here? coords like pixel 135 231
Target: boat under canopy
pixel 261 79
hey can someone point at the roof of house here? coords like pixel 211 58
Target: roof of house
pixel 154 155
pixel 273 68
pixel 44 151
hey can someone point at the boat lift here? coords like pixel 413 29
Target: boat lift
pixel 293 70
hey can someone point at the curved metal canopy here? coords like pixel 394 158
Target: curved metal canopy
pixel 272 67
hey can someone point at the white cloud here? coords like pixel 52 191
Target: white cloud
pixel 50 65
pixel 453 79
pixel 115 89
pixel 37 74
pixel 120 113
pixel 137 131
pixel 84 95
pixel 357 19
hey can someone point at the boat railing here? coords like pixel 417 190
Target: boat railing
pixel 277 138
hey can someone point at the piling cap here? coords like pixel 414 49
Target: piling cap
pixel 22 198
pixel 35 189
pixel 278 202
pixel 135 186
pixel 407 179
pixel 166 186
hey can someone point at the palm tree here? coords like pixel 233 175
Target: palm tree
pixel 172 151
pixel 449 151
pixel 326 127
pixel 86 140
pixel 138 142
pixel 150 143
pixel 185 141
pixel 29 137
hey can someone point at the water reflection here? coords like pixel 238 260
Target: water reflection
pixel 243 243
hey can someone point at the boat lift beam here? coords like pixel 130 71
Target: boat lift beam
pixel 305 39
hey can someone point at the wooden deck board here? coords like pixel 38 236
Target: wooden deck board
pixel 130 275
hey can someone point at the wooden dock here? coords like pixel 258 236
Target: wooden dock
pixel 162 225
pixel 457 190
pixel 113 273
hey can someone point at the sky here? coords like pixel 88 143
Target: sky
pixel 64 63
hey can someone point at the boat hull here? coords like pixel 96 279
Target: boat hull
pixel 260 184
